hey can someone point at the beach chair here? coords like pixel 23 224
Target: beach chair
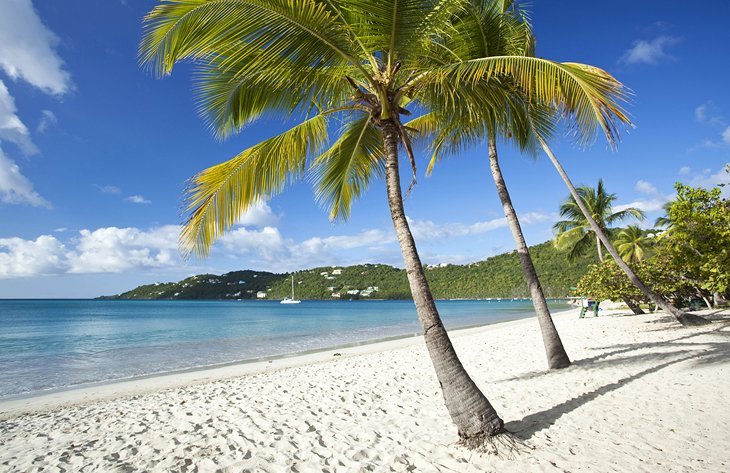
pixel 589 304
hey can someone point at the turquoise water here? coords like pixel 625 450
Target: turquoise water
pixel 54 344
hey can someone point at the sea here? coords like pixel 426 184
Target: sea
pixel 52 345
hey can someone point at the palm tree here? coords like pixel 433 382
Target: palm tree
pixel 354 62
pixel 575 233
pixel 492 28
pixel 682 317
pixel 631 243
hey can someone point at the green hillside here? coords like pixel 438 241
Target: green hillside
pixel 498 276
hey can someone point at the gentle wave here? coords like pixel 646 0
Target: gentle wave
pixel 53 344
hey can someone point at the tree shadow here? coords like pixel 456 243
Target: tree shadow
pixel 533 423
pixel 722 323
pixel 700 353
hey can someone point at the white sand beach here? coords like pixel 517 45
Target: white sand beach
pixel 643 394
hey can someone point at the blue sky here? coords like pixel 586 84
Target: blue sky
pixel 94 152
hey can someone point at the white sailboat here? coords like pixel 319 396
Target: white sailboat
pixel 291 300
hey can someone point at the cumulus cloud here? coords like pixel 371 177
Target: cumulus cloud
pixel 266 247
pixel 16 188
pixel 709 179
pixel 266 244
pixel 11 127
pixel 138 199
pixel 105 250
pixel 259 215
pixel 42 256
pixel 649 52
pixel 646 187
pixel 113 250
pixel 28 48
pixel 684 170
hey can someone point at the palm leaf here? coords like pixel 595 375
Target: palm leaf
pixel 587 97
pixel 305 32
pixel 343 172
pixel 218 196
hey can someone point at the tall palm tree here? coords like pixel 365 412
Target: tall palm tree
pixel 682 317
pixel 575 233
pixel 631 244
pixel 357 63
pixel 492 28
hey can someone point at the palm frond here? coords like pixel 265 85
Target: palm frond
pixel 343 172
pixel 230 95
pixel 586 97
pixel 218 196
pixel 631 212
pixel 307 33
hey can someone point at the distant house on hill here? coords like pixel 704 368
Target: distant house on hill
pixel 261 295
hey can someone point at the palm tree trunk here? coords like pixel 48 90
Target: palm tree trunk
pixel 600 251
pixel 633 306
pixel 556 355
pixel 682 317
pixel 470 410
pixel 629 303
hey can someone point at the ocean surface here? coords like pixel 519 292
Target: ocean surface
pixel 48 345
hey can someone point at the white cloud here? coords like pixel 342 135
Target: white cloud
pixel 113 249
pixel 428 230
pixel 108 189
pixel 647 205
pixel 684 170
pixel 726 135
pixel 16 188
pixel 536 217
pixel 138 199
pixel 370 239
pixel 708 180
pixel 27 48
pixel 48 119
pixel 646 187
pixel 268 248
pixel 259 215
pixel 707 113
pixel 11 127
pixel 44 255
pixel 266 244
pixel 649 52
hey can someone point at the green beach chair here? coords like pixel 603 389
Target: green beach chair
pixel 589 304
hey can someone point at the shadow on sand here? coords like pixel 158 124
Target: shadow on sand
pixel 699 352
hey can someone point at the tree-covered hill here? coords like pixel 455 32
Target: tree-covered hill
pixel 498 276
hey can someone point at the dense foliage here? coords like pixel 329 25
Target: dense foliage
pixel 498 276
pixel 689 260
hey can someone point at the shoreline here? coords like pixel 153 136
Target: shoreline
pixel 112 389
pixel 642 394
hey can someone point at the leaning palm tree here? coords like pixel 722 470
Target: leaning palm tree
pixel 575 234
pixel 631 244
pixel 355 63
pixel 682 317
pixel 491 28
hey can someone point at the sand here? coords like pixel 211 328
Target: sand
pixel 643 394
